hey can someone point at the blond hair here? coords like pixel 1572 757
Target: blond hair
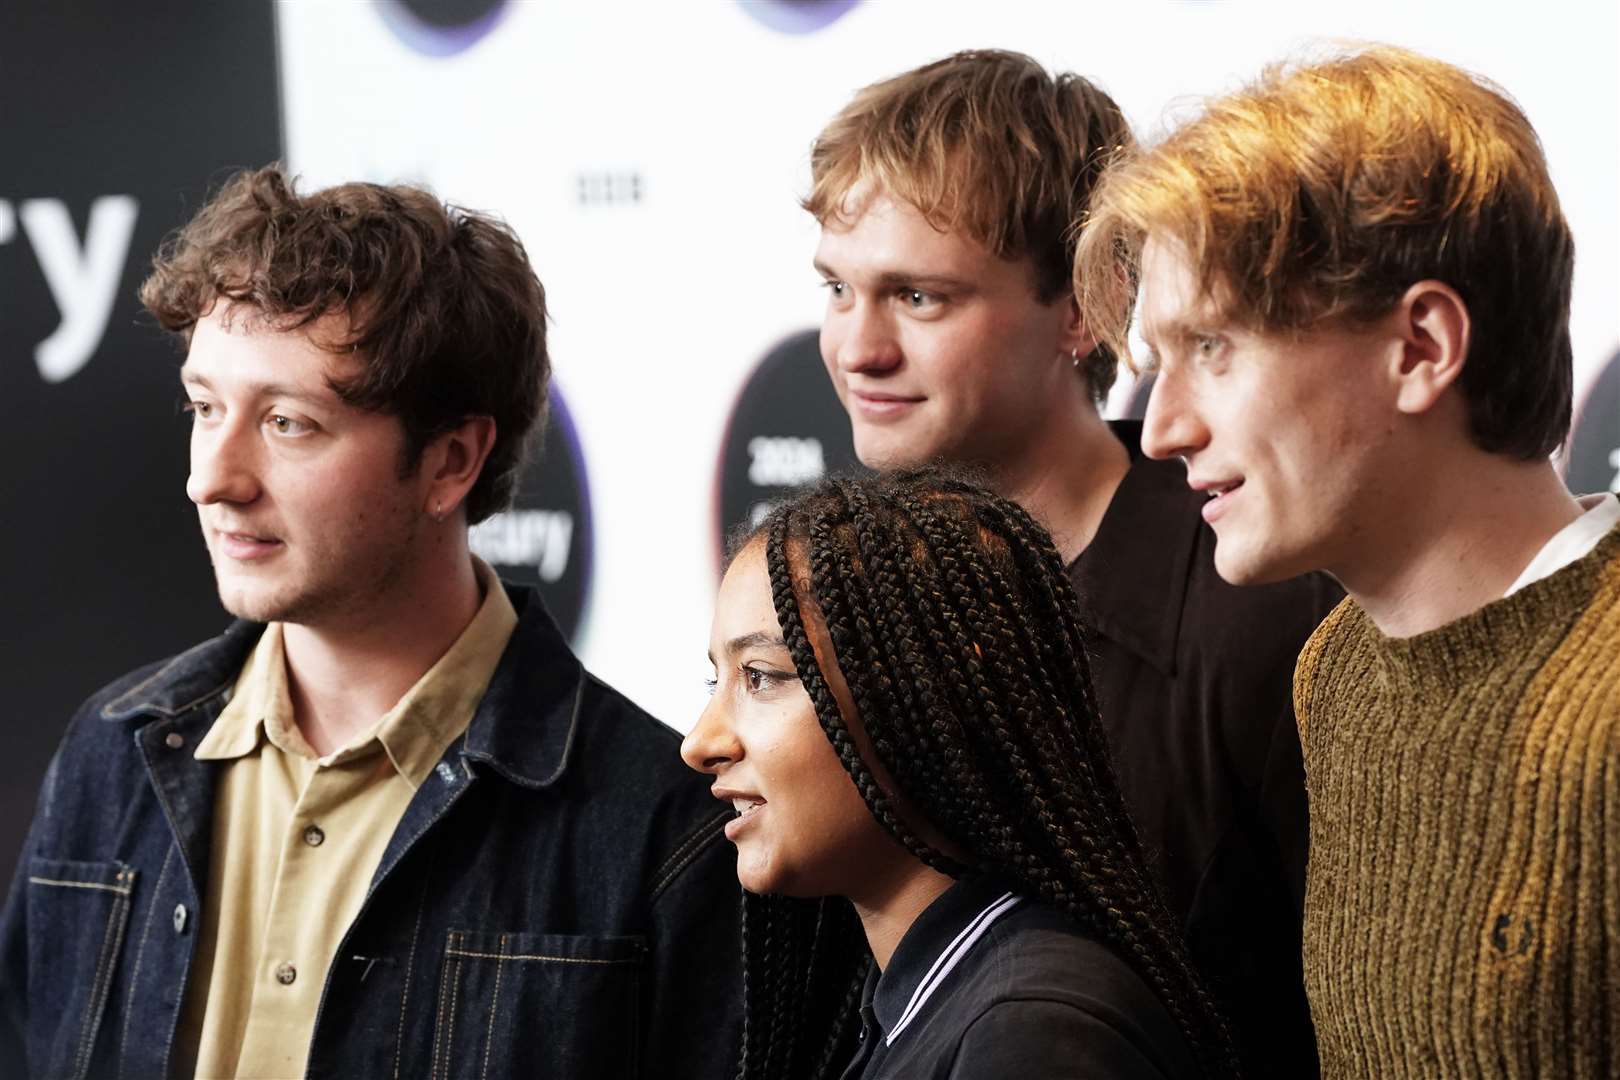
pixel 1325 189
pixel 985 143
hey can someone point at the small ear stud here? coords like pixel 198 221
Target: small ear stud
pixel 1074 354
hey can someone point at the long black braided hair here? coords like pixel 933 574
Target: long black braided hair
pixel 956 630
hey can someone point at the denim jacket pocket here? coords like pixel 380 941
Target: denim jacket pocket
pixel 517 1004
pixel 77 915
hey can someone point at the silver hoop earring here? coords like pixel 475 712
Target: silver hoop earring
pixel 1074 354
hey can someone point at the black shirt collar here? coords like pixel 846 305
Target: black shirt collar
pixel 925 943
pixel 1132 577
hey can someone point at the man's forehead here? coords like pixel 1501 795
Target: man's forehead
pixel 1172 297
pixel 237 341
pixel 890 236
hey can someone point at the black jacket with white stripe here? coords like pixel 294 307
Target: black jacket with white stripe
pixel 987 985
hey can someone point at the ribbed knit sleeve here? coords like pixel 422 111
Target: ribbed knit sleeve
pixel 1463 895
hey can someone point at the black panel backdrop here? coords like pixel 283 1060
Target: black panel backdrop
pixel 117 119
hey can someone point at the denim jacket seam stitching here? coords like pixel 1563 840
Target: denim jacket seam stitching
pixel 438 1019
pixel 111 940
pixel 405 992
pixel 494 1004
pixel 127 704
pixel 691 840
pixel 140 957
pixel 694 845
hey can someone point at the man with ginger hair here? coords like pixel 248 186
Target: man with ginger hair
pixel 946 197
pixel 1355 283
pixel 385 824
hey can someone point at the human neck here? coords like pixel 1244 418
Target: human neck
pixel 1067 476
pixel 888 908
pixel 343 674
pixel 1457 544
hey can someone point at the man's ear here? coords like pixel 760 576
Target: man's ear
pixel 453 461
pixel 1434 328
pixel 1077 339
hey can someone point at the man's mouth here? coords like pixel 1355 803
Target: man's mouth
pixel 747 805
pixel 874 405
pixel 244 546
pixel 1218 494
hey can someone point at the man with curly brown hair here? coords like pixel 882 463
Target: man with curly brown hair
pixel 385 824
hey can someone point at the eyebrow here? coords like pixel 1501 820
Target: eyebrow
pixel 894 279
pixel 188 377
pixel 758 639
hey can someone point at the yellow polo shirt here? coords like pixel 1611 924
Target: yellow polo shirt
pixel 297 838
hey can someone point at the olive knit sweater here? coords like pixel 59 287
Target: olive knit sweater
pixel 1462 913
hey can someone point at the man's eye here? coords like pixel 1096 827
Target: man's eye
pixel 200 409
pixel 836 288
pixel 1208 345
pixel 918 300
pixel 286 425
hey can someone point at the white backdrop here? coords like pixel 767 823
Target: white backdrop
pixel 662 303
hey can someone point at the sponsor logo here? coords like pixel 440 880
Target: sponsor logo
pixel 82 275
pixel 798 16
pixel 441 28
pixel 786 430
pixel 545 538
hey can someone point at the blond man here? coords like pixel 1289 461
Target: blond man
pixel 1355 283
pixel 946 197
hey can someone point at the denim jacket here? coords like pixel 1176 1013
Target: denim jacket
pixel 557 901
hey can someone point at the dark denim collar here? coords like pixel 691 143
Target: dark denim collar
pixel 1132 577
pixel 925 942
pixel 528 745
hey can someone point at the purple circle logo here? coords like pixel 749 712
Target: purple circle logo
pixel 797 16
pixel 441 27
pixel 545 538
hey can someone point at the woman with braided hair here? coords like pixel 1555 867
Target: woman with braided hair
pixel 941 877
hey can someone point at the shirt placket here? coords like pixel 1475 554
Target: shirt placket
pixel 295 954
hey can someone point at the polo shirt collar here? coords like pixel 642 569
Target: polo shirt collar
pixel 931 948
pixel 414 733
pixel 1132 577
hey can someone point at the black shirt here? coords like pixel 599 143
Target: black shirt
pixel 990 985
pixel 1194 679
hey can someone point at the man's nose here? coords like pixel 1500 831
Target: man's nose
pixel 223 465
pixel 1172 426
pixel 864 340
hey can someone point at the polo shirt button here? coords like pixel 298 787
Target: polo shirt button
pixel 174 740
pixel 179 918
pixel 285 974
pixel 314 837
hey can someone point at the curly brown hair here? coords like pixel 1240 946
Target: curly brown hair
pixel 446 316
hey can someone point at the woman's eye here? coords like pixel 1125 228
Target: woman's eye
pixel 286 425
pixel 200 409
pixel 756 679
pixel 710 684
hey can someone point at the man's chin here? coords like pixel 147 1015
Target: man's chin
pixel 256 604
pixel 1237 567
pixel 885 454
